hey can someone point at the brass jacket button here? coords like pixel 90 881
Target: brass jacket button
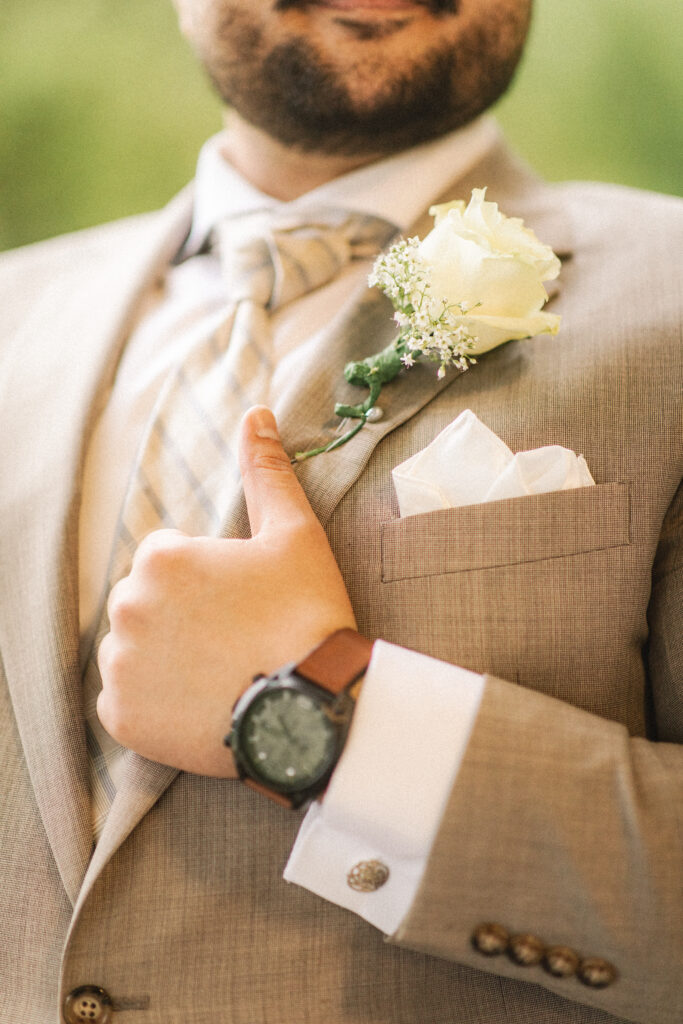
pixel 88 1003
pixel 490 939
pixel 596 972
pixel 526 950
pixel 561 961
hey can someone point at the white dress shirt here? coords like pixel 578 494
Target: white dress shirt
pixel 415 714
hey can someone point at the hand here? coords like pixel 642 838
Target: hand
pixel 198 617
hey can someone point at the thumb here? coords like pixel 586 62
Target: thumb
pixel 273 493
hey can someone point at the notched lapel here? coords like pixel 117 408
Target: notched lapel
pixel 142 784
pixel 306 412
pixel 305 408
pixel 65 354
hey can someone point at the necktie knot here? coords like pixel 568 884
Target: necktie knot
pixel 273 258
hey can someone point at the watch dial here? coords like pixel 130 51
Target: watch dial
pixel 288 739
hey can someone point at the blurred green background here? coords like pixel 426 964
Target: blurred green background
pixel 103 108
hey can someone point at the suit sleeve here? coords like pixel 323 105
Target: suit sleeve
pixel 562 826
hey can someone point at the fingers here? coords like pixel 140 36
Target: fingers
pixel 158 540
pixel 273 493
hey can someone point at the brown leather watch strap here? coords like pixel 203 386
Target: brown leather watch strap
pixel 337 661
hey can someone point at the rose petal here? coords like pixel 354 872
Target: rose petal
pixel 491 331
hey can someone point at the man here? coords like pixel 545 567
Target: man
pixel 505 809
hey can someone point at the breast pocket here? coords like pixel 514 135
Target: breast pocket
pixel 506 533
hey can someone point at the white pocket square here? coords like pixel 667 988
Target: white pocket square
pixel 467 464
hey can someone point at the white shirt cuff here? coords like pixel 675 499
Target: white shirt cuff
pixel 388 793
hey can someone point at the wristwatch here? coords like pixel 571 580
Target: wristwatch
pixel 288 729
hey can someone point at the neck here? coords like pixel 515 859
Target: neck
pixel 278 170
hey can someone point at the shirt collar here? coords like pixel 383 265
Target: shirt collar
pixel 397 188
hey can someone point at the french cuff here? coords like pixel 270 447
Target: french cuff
pixel 365 845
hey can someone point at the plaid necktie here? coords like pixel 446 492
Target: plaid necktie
pixel 186 473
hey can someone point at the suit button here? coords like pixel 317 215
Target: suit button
pixel 561 961
pixel 88 1003
pixel 596 972
pixel 490 939
pixel 526 950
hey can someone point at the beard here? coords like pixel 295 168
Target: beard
pixel 295 95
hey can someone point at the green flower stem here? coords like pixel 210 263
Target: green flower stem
pixel 381 367
pixel 373 373
pixel 356 412
pixel 337 443
pixel 428 328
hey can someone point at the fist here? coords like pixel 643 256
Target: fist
pixel 198 617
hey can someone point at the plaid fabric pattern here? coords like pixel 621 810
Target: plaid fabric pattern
pixel 186 475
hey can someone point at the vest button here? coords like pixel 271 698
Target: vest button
pixel 88 1003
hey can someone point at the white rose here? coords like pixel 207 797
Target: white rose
pixel 480 258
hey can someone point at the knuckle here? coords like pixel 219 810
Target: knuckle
pixel 120 609
pixel 103 657
pixel 304 529
pixel 112 717
pixel 271 462
pixel 301 533
pixel 113 663
pixel 160 552
pixel 114 708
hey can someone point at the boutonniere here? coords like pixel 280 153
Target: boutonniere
pixel 474 282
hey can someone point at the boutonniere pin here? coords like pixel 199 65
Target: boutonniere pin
pixel 474 282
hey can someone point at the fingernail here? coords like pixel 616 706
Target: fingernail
pixel 265 425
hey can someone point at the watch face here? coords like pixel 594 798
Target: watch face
pixel 287 739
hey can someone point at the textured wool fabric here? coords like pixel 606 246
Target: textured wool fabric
pixel 563 819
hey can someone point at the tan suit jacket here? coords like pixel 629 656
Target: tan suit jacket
pixel 564 821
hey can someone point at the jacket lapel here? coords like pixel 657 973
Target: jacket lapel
pixel 305 409
pixel 80 323
pixel 307 417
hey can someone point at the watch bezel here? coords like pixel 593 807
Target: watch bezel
pixel 338 709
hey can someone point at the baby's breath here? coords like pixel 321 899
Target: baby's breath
pixel 401 274
pixel 429 327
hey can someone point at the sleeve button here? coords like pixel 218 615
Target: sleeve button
pixel 596 972
pixel 490 939
pixel 526 950
pixel 561 961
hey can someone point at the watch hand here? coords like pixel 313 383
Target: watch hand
pixel 287 733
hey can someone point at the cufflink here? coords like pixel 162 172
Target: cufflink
pixel 367 876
